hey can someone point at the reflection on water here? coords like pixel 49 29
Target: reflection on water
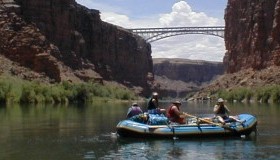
pixel 183 149
pixel 88 132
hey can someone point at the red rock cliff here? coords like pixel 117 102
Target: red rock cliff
pixel 252 34
pixel 64 34
pixel 187 70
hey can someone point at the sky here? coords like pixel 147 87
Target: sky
pixel 169 13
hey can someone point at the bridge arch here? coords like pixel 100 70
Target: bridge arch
pixel 155 34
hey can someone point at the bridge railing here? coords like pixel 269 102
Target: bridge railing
pixel 154 34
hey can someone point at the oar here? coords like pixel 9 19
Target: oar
pixel 201 119
pixel 207 121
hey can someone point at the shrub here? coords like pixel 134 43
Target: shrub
pixel 16 90
pixel 13 93
pixel 239 94
pixel 275 95
pixel 263 94
pixel 28 94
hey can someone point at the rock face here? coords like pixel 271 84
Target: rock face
pixel 252 34
pixel 64 39
pixel 188 70
pixel 25 44
pixel 252 38
pixel 179 77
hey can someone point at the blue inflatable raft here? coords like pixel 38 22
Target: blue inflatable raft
pixel 194 128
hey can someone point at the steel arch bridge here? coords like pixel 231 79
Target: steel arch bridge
pixel 155 34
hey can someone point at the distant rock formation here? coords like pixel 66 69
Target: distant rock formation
pixel 252 34
pixel 178 77
pixel 67 41
pixel 196 71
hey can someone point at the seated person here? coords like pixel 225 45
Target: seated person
pixel 133 110
pixel 222 112
pixel 153 105
pixel 174 114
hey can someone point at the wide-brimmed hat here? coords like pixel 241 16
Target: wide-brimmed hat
pixel 134 104
pixel 176 102
pixel 220 100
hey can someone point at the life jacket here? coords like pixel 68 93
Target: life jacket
pixel 151 105
pixel 170 114
pixel 222 112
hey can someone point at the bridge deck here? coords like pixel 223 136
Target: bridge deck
pixel 154 34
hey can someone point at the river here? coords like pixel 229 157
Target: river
pixel 44 132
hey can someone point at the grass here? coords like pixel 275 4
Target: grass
pixel 13 90
pixel 263 94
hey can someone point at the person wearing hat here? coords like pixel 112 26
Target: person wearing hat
pixel 133 110
pixel 153 102
pixel 222 112
pixel 153 105
pixel 174 114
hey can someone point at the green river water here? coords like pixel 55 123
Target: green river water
pixel 48 132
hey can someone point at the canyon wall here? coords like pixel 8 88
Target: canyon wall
pixel 252 34
pixel 188 70
pixel 62 38
pixel 181 77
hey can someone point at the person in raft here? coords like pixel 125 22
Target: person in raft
pixel 153 105
pixel 133 110
pixel 222 112
pixel 174 114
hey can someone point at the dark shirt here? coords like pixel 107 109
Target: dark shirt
pixel 221 110
pixel 152 105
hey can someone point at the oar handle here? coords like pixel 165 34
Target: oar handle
pixel 217 124
pixel 201 119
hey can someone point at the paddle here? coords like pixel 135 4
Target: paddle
pixel 207 121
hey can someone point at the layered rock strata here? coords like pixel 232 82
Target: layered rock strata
pixel 252 34
pixel 188 70
pixel 179 77
pixel 62 38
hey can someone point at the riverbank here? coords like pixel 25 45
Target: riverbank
pixel 247 85
pixel 15 90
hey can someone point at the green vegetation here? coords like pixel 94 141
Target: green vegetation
pixel 14 90
pixel 261 94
